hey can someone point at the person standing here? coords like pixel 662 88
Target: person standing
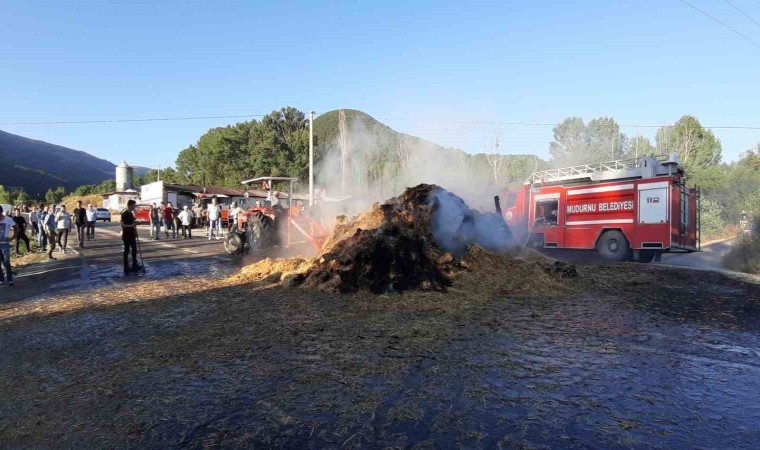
pixel 7 233
pixel 161 222
pixel 42 232
pixel 92 217
pixel 214 216
pixel 155 224
pixel 177 221
pixel 80 220
pixel 169 221
pixel 50 228
pixel 20 231
pixel 62 228
pixel 34 217
pixel 232 218
pixel 186 217
pixel 129 236
pixel 196 216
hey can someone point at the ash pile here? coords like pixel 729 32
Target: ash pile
pixel 425 239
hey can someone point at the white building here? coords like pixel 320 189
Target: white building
pixel 117 201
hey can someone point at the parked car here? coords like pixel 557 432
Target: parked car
pixel 103 214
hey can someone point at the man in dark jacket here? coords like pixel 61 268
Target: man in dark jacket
pixel 80 220
pixel 129 237
pixel 20 231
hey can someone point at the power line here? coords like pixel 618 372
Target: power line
pixel 722 23
pixel 743 13
pixel 455 122
pixel 152 119
pixel 553 124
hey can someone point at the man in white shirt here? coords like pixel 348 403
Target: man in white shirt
pixel 214 216
pixel 8 232
pixel 186 218
pixel 92 217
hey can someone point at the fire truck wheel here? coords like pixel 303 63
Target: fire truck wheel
pixel 613 246
pixel 233 244
pixel 646 256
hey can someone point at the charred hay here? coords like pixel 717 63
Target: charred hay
pixel 424 239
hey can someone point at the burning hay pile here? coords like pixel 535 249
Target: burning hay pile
pixel 424 239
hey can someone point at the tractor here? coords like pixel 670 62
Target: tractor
pixel 268 224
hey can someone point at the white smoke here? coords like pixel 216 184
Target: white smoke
pixel 382 164
pixel 455 226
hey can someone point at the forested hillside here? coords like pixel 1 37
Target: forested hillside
pixel 359 156
pixel 37 166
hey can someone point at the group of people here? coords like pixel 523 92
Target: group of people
pixel 214 215
pixel 166 217
pixel 53 225
pixel 50 225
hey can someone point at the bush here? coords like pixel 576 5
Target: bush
pixel 744 256
pixel 711 221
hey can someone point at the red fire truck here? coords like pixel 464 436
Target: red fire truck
pixel 625 210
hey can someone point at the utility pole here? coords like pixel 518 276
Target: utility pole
pixel 311 159
pixel 158 174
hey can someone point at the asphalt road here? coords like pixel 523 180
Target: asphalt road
pixel 710 257
pixel 99 263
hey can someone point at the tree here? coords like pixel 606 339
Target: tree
pixel 22 197
pixel 496 160
pixel 83 190
pixel 638 147
pixel 278 145
pixel 344 152
pixel 711 219
pixel 696 146
pixel 404 152
pixel 4 195
pixel 751 158
pixel 570 141
pixel 59 193
pixel 577 143
pixel 50 197
pixel 605 141
pixel 106 186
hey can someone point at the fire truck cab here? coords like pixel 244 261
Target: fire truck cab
pixel 625 210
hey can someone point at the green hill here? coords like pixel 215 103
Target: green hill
pixel 428 160
pixel 36 166
pixel 326 131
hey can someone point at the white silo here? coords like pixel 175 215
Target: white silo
pixel 124 177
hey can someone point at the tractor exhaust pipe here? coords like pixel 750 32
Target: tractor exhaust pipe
pixel 497 204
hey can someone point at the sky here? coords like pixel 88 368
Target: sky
pixel 417 66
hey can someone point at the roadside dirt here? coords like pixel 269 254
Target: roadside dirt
pixel 621 356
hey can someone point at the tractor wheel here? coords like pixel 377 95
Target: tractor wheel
pixel 613 246
pixel 261 233
pixel 646 256
pixel 233 244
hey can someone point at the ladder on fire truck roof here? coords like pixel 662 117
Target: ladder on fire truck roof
pixel 607 171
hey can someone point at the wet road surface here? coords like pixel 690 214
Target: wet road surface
pixel 99 263
pixel 633 357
